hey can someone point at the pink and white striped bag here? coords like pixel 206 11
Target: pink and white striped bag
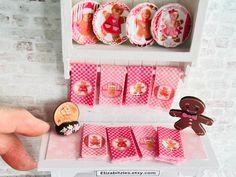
pixel 165 86
pixel 94 143
pixel 112 84
pixel 139 81
pixel 121 144
pixel 83 84
pixel 170 147
pixel 146 138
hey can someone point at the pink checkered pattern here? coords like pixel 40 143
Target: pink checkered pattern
pixel 115 75
pixel 121 150
pixel 170 148
pixel 63 147
pixel 167 77
pixel 146 138
pixel 86 72
pixel 139 74
pixel 99 150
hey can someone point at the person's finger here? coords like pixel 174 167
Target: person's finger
pixel 22 122
pixel 14 153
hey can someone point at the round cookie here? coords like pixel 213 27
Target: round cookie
pixel 171 25
pixel 138 25
pixel 109 23
pixel 82 28
pixel 66 118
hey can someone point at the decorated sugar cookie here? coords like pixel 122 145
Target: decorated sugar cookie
pixel 82 28
pixel 139 24
pixel 171 25
pixel 66 118
pixel 110 21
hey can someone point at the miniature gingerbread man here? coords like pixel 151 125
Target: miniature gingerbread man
pixel 191 115
pixel 112 90
pixel 144 24
pixel 173 26
pixel 138 89
pixel 112 24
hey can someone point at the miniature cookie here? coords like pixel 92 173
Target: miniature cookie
pixel 171 25
pixel 191 115
pixel 82 28
pixel 138 25
pixel 66 118
pixel 109 23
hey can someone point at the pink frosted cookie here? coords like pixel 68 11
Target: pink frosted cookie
pixel 138 25
pixel 109 23
pixel 171 25
pixel 82 28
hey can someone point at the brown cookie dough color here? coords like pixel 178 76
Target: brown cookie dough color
pixel 191 115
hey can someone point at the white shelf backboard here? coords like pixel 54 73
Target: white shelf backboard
pixel 126 53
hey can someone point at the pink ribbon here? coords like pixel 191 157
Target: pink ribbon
pixel 189 116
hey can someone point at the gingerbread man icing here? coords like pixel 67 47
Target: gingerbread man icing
pixel 191 115
pixel 144 24
pixel 112 24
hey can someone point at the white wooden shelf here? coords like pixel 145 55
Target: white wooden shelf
pixel 126 54
pixel 193 167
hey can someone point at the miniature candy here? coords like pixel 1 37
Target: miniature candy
pixel 139 24
pixel 66 119
pixel 82 28
pixel 171 25
pixel 109 23
pixel 191 115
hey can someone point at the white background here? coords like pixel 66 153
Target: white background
pixel 31 71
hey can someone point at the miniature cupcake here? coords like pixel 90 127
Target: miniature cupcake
pixel 139 24
pixel 171 25
pixel 109 23
pixel 66 119
pixel 82 28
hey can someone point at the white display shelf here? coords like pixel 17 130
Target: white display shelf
pixel 126 54
pixel 78 167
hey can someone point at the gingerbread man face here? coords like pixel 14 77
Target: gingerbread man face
pixel 88 17
pixel 192 105
pixel 117 10
pixel 146 14
pixel 191 115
